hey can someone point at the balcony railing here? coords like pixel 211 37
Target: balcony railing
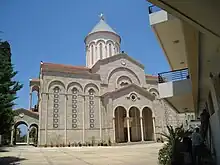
pixel 174 75
pixel 153 8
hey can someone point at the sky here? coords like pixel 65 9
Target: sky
pixel 54 31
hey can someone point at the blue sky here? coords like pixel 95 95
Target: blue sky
pixel 54 31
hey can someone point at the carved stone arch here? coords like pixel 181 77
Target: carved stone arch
pixel 100 41
pixel 133 106
pixel 91 86
pixel 149 108
pixel 56 83
pixel 114 109
pixel 35 88
pixel 110 42
pixel 33 125
pixel 148 123
pixel 124 69
pixel 134 120
pixel 19 122
pixel 91 43
pixel 123 79
pixel 76 85
pixel 154 91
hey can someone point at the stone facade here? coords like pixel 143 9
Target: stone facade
pixel 112 98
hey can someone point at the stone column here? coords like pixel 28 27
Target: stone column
pixel 142 129
pixel 28 132
pixel 154 136
pixel 100 119
pixel 12 136
pixel 106 52
pixel 30 101
pixel 128 128
pixel 39 125
pixel 84 106
pixel 65 119
pixel 46 117
pixel 113 125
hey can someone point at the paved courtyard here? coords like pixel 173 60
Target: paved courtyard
pixel 140 154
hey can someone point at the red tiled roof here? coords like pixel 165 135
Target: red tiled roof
pixel 35 79
pixel 151 76
pixel 66 68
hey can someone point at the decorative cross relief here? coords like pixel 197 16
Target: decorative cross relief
pixel 133 97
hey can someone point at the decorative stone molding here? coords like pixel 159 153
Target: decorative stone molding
pixel 133 97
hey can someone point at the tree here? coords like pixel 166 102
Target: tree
pixel 8 88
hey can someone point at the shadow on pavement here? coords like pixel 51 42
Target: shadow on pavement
pixel 8 160
pixel 3 149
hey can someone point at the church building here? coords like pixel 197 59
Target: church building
pixel 111 98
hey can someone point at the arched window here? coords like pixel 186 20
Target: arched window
pixel 110 49
pixel 92 54
pixel 116 47
pixel 74 107
pixel 56 92
pixel 100 50
pixel 91 108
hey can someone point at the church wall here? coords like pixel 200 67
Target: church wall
pixel 140 103
pixel 66 107
pixel 106 70
pixel 42 140
pixel 74 136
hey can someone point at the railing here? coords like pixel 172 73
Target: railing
pixel 153 8
pixel 174 75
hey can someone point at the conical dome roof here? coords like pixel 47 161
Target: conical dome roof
pixel 102 26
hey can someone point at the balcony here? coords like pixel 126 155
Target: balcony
pixel 175 87
pixel 169 33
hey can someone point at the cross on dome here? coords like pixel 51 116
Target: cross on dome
pixel 102 16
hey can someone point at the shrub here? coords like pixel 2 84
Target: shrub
pixel 75 144
pixel 69 144
pixel 57 145
pixel 51 144
pixel 79 144
pixel 174 137
pixel 165 155
pixel 45 145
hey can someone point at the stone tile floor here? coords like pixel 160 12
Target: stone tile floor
pixel 140 154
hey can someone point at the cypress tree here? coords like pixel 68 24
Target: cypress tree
pixel 8 88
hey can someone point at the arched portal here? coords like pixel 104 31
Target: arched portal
pixel 135 126
pixel 33 134
pixel 20 133
pixel 148 130
pixel 121 134
pixel 34 97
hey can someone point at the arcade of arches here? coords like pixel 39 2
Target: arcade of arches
pixel 133 125
pixel 28 119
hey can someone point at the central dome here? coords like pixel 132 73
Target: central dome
pixel 102 26
pixel 102 42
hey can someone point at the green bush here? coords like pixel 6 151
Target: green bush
pixel 165 155
pixel 174 137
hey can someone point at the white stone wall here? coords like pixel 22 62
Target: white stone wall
pixel 104 107
pixel 101 45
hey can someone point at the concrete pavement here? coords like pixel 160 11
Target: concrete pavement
pixel 140 154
